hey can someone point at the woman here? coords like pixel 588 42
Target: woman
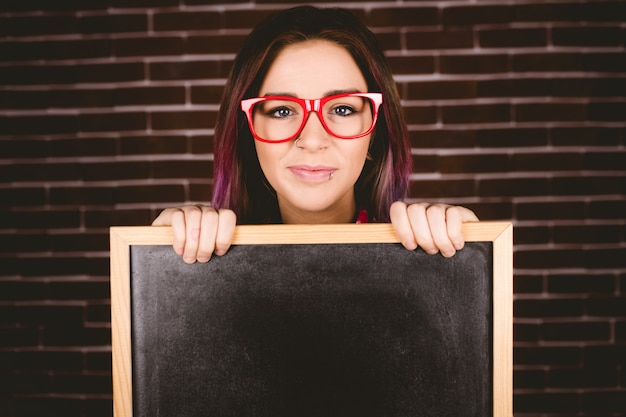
pixel 311 130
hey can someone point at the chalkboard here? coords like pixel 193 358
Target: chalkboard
pixel 311 327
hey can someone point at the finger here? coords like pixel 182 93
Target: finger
pixel 438 222
pixel 421 227
pixel 177 221
pixel 455 217
pixel 208 231
pixel 192 220
pixel 402 225
pixel 225 230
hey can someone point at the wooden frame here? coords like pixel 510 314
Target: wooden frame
pixel 499 233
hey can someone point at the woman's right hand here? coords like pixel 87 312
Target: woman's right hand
pixel 199 231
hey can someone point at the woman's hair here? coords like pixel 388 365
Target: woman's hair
pixel 239 182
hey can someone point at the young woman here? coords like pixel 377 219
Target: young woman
pixel 311 130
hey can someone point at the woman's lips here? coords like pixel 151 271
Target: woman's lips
pixel 312 173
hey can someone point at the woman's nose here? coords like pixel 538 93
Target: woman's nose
pixel 313 134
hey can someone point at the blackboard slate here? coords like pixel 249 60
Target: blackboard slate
pixel 312 330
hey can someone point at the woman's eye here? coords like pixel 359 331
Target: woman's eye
pixel 343 111
pixel 280 112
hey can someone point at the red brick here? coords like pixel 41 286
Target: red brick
pixel 549 258
pixel 583 284
pixel 512 38
pixel 484 113
pixel 546 12
pixel 206 94
pixel 586 36
pixel 244 19
pixel 607 306
pixel 150 95
pixel 529 378
pixel 551 210
pixel 200 70
pixel 109 122
pixel 113 23
pixel 543 112
pixel 548 402
pixel 182 169
pixel 425 163
pixel 438 90
pixel 153 145
pixel 82 147
pixel 21 337
pixel 512 137
pixel 443 138
pixel 420 114
pixel 183 21
pixel 589 186
pixel 475 163
pixel 48 405
pixel 411 64
pixel 200 192
pixel 608 111
pixel 526 235
pixel 22 290
pixel 154 46
pixel 604 401
pixel 151 193
pixel 605 355
pixel 449 38
pixel 599 209
pixel 403 16
pixel 182 120
pixel 548 308
pixel 547 61
pixel 587 234
pixel 576 331
pixel 472 15
pixel 527 284
pixel 444 189
pixel 79 290
pixel 218 44
pixel 39 219
pixel 557 161
pixel 587 136
pixel 107 218
pixel 609 11
pixel 37 125
pixel 17 26
pixel 23 196
pixel 525 332
pixel 201 144
pixel 514 187
pixel 77 383
pixel 548 355
pixel 61 5
pixel 473 64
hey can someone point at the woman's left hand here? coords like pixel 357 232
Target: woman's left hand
pixel 433 227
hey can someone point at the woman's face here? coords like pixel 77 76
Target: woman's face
pixel 314 176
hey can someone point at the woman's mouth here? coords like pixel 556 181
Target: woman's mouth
pixel 313 173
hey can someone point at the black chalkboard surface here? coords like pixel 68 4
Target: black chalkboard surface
pixel 323 329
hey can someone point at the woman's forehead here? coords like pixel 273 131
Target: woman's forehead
pixel 313 69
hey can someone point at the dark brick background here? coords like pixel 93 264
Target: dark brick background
pixel 517 109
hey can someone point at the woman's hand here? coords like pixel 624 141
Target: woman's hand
pixel 433 227
pixel 199 231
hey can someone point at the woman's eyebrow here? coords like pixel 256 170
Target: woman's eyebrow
pixel 326 94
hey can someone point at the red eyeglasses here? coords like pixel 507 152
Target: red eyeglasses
pixel 276 119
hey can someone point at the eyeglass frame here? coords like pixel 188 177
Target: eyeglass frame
pixel 309 106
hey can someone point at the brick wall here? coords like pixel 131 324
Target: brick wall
pixel 517 109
